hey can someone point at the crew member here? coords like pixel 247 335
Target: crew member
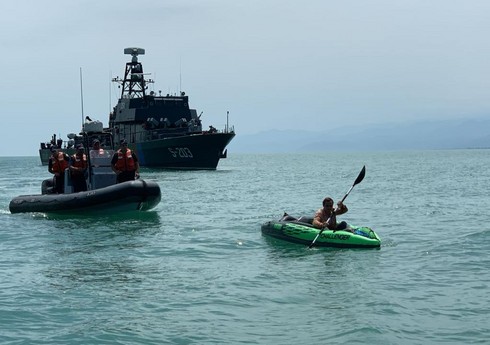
pixel 97 151
pixel 57 164
pixel 125 163
pixel 78 170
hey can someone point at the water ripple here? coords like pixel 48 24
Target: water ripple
pixel 197 270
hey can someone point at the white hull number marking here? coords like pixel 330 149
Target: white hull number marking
pixel 181 152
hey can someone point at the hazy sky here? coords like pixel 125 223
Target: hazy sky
pixel 273 64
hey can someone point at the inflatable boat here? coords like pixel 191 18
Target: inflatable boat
pixel 103 194
pixel 138 195
pixel 300 230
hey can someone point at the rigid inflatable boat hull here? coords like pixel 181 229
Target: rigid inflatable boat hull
pixel 127 196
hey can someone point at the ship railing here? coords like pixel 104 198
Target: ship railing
pixel 229 129
pixel 160 133
pixel 225 130
pixel 65 144
pixel 164 133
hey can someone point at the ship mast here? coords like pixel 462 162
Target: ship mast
pixel 134 83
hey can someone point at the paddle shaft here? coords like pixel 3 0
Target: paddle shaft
pixel 359 178
pixel 321 231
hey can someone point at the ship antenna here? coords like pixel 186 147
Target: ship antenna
pixel 81 92
pixel 180 75
pixel 110 91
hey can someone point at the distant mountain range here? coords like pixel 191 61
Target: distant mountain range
pixel 446 134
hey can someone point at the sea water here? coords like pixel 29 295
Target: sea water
pixel 197 269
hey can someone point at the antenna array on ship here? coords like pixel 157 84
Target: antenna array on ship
pixel 134 83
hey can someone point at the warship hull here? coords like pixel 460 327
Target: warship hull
pixel 199 151
pixel 195 151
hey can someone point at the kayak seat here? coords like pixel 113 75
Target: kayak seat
pixel 303 219
pixel 287 218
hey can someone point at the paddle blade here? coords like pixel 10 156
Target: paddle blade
pixel 316 237
pixel 361 176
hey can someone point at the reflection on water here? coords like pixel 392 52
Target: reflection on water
pixel 135 219
pixel 93 272
pixel 100 251
pixel 279 249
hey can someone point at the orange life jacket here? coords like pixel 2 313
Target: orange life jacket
pixel 59 163
pixel 79 162
pixel 125 162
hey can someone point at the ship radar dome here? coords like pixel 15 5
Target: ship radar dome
pixel 134 52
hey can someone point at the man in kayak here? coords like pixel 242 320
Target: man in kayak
pixel 325 217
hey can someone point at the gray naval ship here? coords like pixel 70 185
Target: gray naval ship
pixel 162 130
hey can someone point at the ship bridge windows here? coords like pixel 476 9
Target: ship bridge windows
pixel 170 101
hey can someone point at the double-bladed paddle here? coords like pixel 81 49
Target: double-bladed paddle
pixel 357 181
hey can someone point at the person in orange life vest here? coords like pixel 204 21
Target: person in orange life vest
pixel 78 170
pixel 326 217
pixel 57 164
pixel 125 163
pixel 97 151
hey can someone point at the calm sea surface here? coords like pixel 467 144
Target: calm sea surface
pixel 197 270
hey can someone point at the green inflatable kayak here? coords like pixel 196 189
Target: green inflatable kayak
pixel 301 231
